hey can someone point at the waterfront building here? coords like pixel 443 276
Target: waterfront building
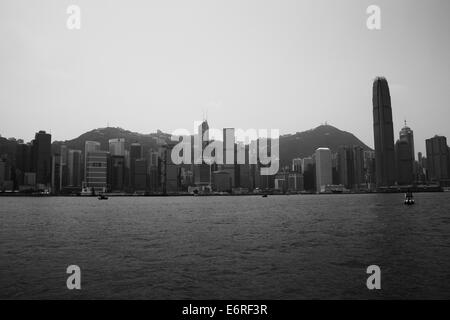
pixel 170 171
pixel 346 167
pixel 97 171
pixel 74 165
pixel 438 160
pixel 135 154
pixel 56 173
pixel 89 146
pixel 404 162
pixel 323 169
pixel 383 134
pixel 116 173
pixel 23 164
pixel 358 167
pixel 42 157
pixel 309 173
pixel 140 175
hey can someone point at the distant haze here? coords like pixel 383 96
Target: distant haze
pixel 285 64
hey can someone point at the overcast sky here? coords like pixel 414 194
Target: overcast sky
pixel 285 64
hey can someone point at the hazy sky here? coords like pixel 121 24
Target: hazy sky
pixel 286 64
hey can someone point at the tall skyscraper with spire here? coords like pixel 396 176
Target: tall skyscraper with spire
pixel 202 172
pixel 383 134
pixel 405 164
pixel 406 134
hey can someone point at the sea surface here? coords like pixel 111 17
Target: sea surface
pixel 245 247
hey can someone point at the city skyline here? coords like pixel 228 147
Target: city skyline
pixel 403 132
pixel 239 69
pixel 224 154
pixel 349 168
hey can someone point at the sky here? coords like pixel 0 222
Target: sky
pixel 263 64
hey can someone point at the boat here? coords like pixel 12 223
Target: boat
pixel 102 197
pixel 264 195
pixel 409 199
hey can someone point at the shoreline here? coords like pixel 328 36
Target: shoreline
pixel 16 194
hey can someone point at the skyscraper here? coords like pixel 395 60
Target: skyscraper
pixel 154 170
pixel 421 168
pixel 369 169
pixel 438 161
pixel 135 154
pixel 140 174
pixel 244 176
pixel 97 171
pixel 116 173
pixel 2 173
pixel 202 172
pixel 117 147
pixel 404 163
pixel 23 162
pixel 309 173
pixel 406 134
pixel 297 165
pixel 351 167
pixel 383 133
pixel 89 146
pixel 358 167
pixel 323 169
pixel 307 162
pixel 346 167
pixel 56 173
pixel 74 167
pixel 170 171
pixel 295 181
pixel 95 167
pixel 42 158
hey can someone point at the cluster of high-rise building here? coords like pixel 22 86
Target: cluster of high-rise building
pixel 395 163
pixel 35 168
pixel 127 168
pixel 392 164
pixel 30 167
pixel 119 169
pixel 349 168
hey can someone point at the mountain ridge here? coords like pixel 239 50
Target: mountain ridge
pixel 296 145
